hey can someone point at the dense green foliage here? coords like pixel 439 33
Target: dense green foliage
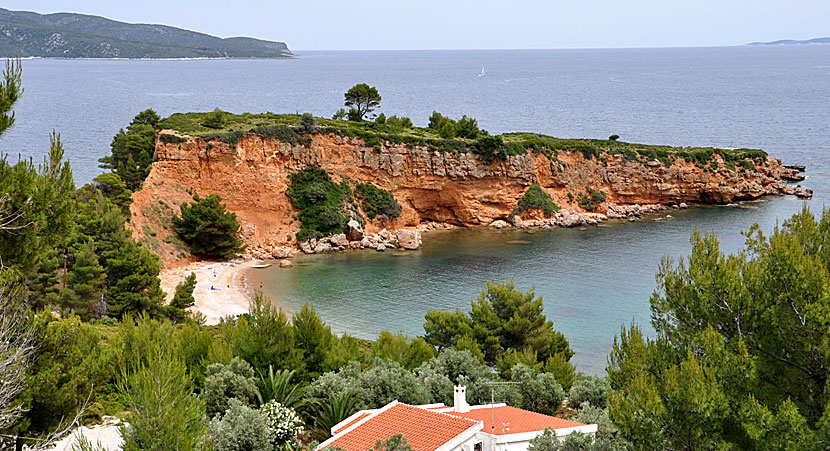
pixel 466 127
pixel 536 198
pixel 376 201
pixel 320 201
pixel 361 99
pixel 208 229
pixel 741 355
pixel 132 151
pixel 215 119
pixel 30 34
pixel 505 324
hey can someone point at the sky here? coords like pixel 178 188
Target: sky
pixel 472 24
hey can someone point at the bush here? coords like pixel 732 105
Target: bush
pixel 215 120
pixel 241 428
pixel 467 127
pixel 590 201
pixel 307 123
pixel 208 229
pixel 381 119
pixel 613 137
pixel 536 197
pixel 235 380
pixel 401 122
pixel 171 139
pixel 376 201
pixel 592 389
pixel 488 148
pixel 339 115
pixel 320 202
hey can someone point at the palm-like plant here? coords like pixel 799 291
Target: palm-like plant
pixel 277 386
pixel 326 413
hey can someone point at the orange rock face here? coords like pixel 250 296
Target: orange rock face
pixel 458 189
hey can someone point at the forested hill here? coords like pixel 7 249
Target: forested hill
pixel 69 35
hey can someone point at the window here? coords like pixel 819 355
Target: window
pixel 477 447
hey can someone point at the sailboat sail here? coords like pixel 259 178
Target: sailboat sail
pixel 482 72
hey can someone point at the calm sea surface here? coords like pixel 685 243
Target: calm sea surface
pixel 593 281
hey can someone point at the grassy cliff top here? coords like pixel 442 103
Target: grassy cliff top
pixel 285 127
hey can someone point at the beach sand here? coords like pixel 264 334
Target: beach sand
pixel 228 296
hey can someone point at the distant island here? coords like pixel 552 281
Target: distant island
pixel 794 42
pixel 68 35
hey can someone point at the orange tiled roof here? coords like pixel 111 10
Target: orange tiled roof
pixel 424 429
pixel 511 420
pixel 359 417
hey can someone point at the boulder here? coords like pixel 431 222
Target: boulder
pixel 499 224
pixel 385 235
pixel 285 263
pixel 380 247
pixel 803 193
pixel 322 247
pixel 408 238
pixel 355 232
pixel 306 247
pixel 517 221
pixel 339 240
pixel 365 242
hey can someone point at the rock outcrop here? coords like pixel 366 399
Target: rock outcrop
pixel 432 187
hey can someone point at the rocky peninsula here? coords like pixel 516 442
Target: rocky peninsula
pixel 435 187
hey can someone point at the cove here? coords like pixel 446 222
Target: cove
pixel 593 280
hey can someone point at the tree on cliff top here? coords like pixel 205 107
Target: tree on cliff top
pixel 133 150
pixel 208 229
pixel 363 99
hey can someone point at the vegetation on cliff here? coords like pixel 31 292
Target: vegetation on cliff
pixel 321 202
pixel 488 147
pixel 208 228
pixel 536 198
pixel 376 201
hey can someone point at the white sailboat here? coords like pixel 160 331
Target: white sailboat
pixel 482 72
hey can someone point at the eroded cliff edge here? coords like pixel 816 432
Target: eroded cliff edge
pixel 432 186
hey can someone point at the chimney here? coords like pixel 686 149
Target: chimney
pixel 460 399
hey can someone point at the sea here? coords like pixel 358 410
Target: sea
pixel 593 281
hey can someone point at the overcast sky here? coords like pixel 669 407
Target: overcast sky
pixel 471 24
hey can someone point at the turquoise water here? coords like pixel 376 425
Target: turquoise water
pixel 593 281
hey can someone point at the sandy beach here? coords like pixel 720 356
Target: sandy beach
pixel 220 287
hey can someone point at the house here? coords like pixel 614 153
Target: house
pixel 437 427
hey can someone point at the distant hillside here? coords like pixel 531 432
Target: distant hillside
pixel 794 42
pixel 68 35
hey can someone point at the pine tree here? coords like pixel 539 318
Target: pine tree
pixel 208 229
pixel 132 151
pixel 87 279
pixel 182 300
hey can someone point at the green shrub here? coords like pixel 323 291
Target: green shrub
pixel 400 122
pixel 216 119
pixel 339 115
pixel 241 428
pixel 307 123
pixel 376 201
pixel 536 197
pixel 208 229
pixel 381 119
pixel 235 380
pixel 592 389
pixel 488 148
pixel 746 164
pixel 320 201
pixel 467 127
pixel 283 133
pixel 171 139
pixel 590 201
